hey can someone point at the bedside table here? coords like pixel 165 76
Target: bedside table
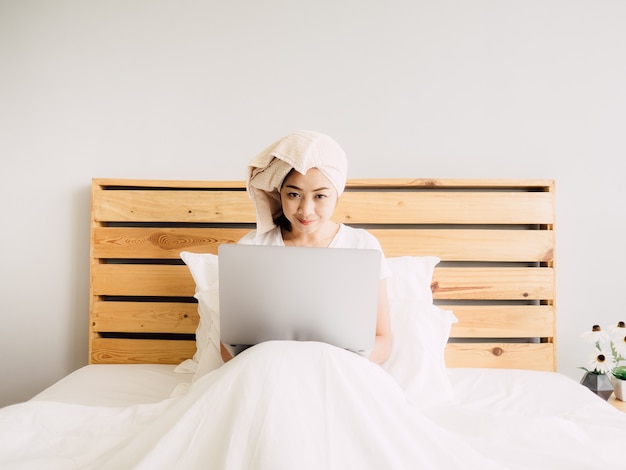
pixel 620 405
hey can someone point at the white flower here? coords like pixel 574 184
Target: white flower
pixel 618 336
pixel 609 351
pixel 596 336
pixel 601 362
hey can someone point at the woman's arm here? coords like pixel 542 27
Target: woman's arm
pixel 226 356
pixel 382 347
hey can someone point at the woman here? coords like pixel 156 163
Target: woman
pixel 295 185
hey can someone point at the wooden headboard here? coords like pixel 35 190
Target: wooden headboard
pixel 495 239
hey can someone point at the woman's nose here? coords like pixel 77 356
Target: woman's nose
pixel 306 206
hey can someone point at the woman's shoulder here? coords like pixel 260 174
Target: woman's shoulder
pixel 356 238
pixel 350 237
pixel 272 237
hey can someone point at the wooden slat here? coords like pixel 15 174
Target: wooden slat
pixel 532 356
pixel 144 317
pixel 173 206
pixel 142 280
pixel 524 321
pixel 159 243
pixel 449 183
pixel 128 183
pixel 448 244
pixel 140 351
pixel 448 283
pixel 468 245
pixel 402 183
pixel 503 321
pixel 353 207
pixel 493 283
pixel 453 207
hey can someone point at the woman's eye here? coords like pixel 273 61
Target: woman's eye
pixel 320 196
pixel 293 195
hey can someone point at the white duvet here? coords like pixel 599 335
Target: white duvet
pixel 287 405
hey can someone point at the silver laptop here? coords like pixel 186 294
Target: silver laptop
pixel 296 293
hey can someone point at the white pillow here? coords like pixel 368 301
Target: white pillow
pixel 411 277
pixel 204 270
pixel 420 332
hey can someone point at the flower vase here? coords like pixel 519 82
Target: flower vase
pixel 619 386
pixel 600 384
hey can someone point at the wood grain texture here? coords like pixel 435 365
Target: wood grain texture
pixel 145 317
pixel 159 243
pixel 448 283
pixel 503 321
pixel 540 356
pixel 140 351
pixel 453 207
pixel 487 245
pixel 146 205
pixel 449 244
pixel 493 283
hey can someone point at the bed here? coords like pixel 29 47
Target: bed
pixel 471 382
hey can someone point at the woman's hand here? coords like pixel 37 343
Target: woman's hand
pixel 382 346
pixel 226 356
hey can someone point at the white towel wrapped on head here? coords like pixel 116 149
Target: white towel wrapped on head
pixel 300 150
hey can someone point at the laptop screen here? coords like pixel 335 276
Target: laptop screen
pixel 298 293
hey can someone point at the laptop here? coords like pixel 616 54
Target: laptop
pixel 298 293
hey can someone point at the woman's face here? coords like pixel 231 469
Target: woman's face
pixel 308 200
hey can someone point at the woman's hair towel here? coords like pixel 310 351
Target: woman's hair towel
pixel 301 151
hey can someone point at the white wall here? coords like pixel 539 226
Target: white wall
pixel 193 89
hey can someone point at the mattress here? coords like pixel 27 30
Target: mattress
pixel 130 384
pixel 506 389
pixel 523 391
pixel 117 385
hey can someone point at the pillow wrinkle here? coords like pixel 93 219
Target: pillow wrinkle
pixel 420 332
pixel 204 271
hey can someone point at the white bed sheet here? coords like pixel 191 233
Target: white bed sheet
pixel 283 405
pixel 533 420
pixel 116 385
pixel 524 391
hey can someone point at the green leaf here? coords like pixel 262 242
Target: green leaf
pixel 620 372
